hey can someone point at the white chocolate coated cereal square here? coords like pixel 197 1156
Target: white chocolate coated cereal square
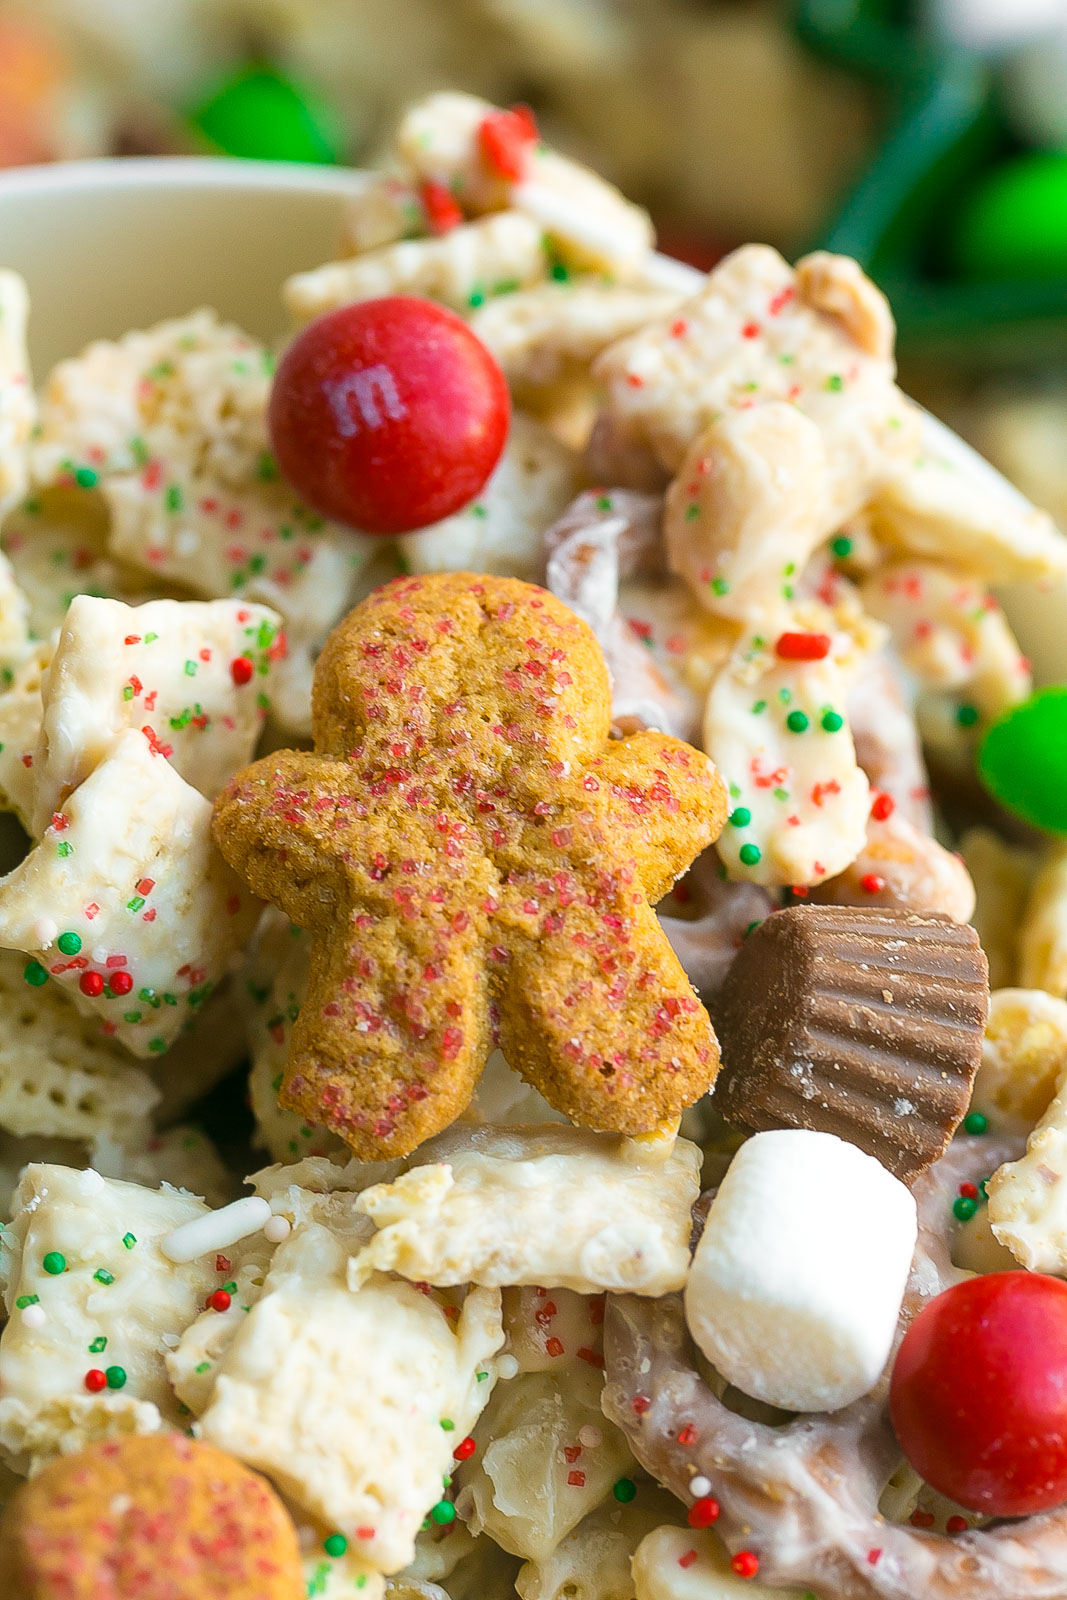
pixel 543 335
pixel 21 710
pixel 198 673
pixel 555 1205
pixel 593 1561
pixel 85 1251
pixel 126 904
pixel 693 1564
pixel 360 1447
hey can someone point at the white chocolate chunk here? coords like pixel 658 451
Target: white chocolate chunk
pixel 557 1205
pixel 798 1277
pixel 461 268
pixel 1028 1197
pixel 359 1447
pixel 114 1285
pixel 168 665
pixel 501 530
pixel 17 407
pixel 808 799
pixel 130 871
pixel 693 1564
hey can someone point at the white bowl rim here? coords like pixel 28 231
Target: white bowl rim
pixel 184 172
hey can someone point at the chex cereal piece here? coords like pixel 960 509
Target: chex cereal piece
pixel 593 1561
pixel 125 903
pixel 950 633
pixel 17 406
pixel 818 338
pixel 21 711
pixel 153 1518
pixel 774 724
pixel 693 1564
pixel 58 1077
pixel 500 1206
pixel 367 1456
pixel 501 530
pixel 1028 1197
pixel 1042 955
pixel 90 1297
pixel 543 335
pixel 534 1476
pixel 1024 1057
pixel 487 849
pixel 945 503
pixel 197 674
pixel 492 158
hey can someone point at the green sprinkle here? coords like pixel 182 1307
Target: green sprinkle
pixel 34 974
pixel 25 1300
pixel 98 1344
pixel 86 478
pixel 749 854
pixel 835 383
pixel 129 1240
pixel 102 1275
pixel 202 1366
pixel 173 497
pixel 841 547
pixel 443 1512
pixel 603 502
pixel 559 273
pixel 54 1263
pixel 780 794
pixel 157 1046
pixel 190 669
pixel 796 722
pixel 136 903
pixel 760 705
pixel 479 511
pixel 740 817
pixel 832 721
pixel 719 586
pixel 447 1424
pixel 625 1491
pixel 335 1544
pixel 266 467
pixel 116 1377
pixel 964 1208
pixel 481 1376
pixel 967 716
pixel 69 943
pixel 64 849
pixel 150 638
pixel 975 1122
pixel 692 511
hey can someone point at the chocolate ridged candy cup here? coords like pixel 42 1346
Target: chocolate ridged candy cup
pixel 866 1024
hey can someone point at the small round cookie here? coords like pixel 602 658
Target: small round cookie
pixel 157 1517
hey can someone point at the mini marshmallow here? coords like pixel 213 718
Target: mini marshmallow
pixel 797 1281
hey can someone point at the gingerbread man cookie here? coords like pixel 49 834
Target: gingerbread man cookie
pixel 156 1518
pixel 475 860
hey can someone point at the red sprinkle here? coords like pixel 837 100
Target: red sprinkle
pixel 688 1559
pixel 874 1556
pixel 554 1346
pixel 921 1519
pixel 688 1435
pixel 439 203
pixel 969 1191
pixel 91 984
pixel 703 1512
pixel 883 807
pixel 464 1449
pixel 505 139
pixel 576 1479
pixel 957 1525
pixel 120 983
pixel 95 1380
pixel 241 670
pixel 219 1301
pixel 803 646
pixel 871 883
pixel 745 1564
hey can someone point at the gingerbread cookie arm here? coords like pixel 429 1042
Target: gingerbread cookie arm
pixel 663 791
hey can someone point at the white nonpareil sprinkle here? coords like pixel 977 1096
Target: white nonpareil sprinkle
pixel 507 1366
pixel 275 1229
pixel 589 1436
pixel 699 1487
pixel 216 1230
pixel 34 1316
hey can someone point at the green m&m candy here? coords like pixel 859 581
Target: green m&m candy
pixel 1022 760
pixel 1014 224
pixel 260 114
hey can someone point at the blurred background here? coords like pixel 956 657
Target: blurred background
pixel 929 138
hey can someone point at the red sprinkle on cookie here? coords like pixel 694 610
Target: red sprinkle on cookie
pixel 159 1517
pixel 476 862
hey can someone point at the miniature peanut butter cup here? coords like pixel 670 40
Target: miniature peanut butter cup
pixel 866 1024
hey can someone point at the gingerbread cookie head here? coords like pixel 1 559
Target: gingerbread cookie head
pixel 150 1517
pixel 475 862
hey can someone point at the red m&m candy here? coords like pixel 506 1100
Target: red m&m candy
pixel 978 1395
pixel 388 415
